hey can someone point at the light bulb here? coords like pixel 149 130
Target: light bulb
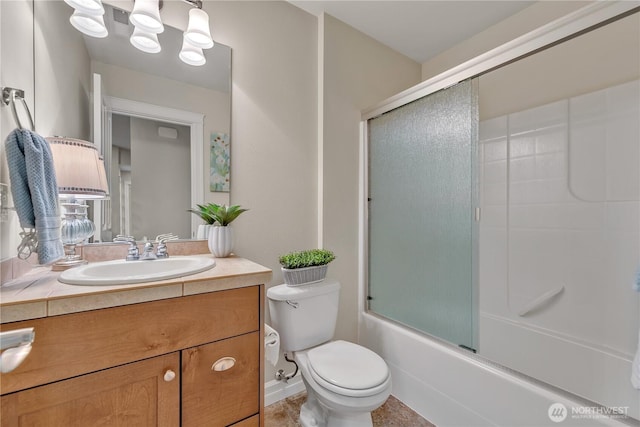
pixel 198 33
pixel 145 41
pixel 91 25
pixel 90 7
pixel 190 54
pixel 146 15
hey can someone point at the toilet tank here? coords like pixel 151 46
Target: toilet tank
pixel 304 316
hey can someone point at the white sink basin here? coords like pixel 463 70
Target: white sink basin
pixel 121 272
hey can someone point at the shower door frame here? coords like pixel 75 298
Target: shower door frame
pixel 565 28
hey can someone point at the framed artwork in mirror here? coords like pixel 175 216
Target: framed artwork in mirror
pixel 220 162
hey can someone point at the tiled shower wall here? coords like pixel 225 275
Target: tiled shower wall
pixel 560 191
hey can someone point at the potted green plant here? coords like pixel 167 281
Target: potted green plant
pixel 220 234
pixel 305 267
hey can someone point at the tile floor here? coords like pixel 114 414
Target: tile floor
pixel 392 414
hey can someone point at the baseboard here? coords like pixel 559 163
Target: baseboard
pixel 275 391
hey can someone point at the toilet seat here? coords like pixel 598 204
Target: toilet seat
pixel 348 369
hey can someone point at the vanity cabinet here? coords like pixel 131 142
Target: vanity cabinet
pixel 146 364
pixel 131 395
pixel 213 397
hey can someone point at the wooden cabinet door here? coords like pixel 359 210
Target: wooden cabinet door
pixel 215 398
pixel 249 422
pixel 136 394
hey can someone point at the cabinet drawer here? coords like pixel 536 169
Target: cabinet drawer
pixel 219 398
pixel 131 395
pixel 75 344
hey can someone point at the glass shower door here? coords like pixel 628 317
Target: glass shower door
pixel 422 198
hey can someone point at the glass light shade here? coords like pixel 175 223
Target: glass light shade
pixel 191 54
pixel 145 41
pixel 80 171
pixel 91 25
pixel 146 15
pixel 198 33
pixel 90 7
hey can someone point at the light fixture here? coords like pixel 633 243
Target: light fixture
pixel 87 17
pixel 80 175
pixel 190 54
pixel 90 7
pixel 146 42
pixel 198 33
pixel 91 25
pixel 146 16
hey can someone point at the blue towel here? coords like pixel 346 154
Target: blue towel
pixel 35 191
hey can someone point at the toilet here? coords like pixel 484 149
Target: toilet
pixel 344 381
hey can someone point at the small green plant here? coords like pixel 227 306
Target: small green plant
pixel 218 214
pixel 308 258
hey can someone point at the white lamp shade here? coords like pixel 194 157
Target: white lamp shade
pixel 91 25
pixel 145 41
pixel 191 54
pixel 198 32
pixel 80 171
pixel 146 15
pixel 90 7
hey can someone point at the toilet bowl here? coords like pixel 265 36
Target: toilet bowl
pixel 344 381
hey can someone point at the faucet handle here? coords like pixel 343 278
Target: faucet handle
pixel 133 254
pixel 166 236
pixel 161 252
pixel 161 240
pixel 124 238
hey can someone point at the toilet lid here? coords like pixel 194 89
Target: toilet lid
pixel 347 365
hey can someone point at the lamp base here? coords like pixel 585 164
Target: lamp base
pixel 67 263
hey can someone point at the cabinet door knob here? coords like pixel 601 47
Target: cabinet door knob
pixel 169 375
pixel 223 364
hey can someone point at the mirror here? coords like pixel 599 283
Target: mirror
pixel 158 117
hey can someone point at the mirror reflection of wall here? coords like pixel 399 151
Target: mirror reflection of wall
pixel 48 58
pixel 150 163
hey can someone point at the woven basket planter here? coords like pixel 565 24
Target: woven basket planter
pixel 304 276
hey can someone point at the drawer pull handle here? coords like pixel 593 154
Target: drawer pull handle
pixel 169 375
pixel 223 364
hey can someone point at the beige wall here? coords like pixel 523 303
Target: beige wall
pixel 57 86
pixel 63 80
pixel 529 19
pixel 584 64
pixel 358 73
pixel 16 70
pixel 274 126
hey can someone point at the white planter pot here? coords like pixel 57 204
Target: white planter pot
pixel 304 276
pixel 203 231
pixel 221 241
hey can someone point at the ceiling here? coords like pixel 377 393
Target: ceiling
pixel 419 29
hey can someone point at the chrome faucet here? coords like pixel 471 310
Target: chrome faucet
pixel 147 254
pixel 133 254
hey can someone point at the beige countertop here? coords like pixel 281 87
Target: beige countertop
pixel 39 293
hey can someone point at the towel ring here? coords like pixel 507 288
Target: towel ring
pixel 9 97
